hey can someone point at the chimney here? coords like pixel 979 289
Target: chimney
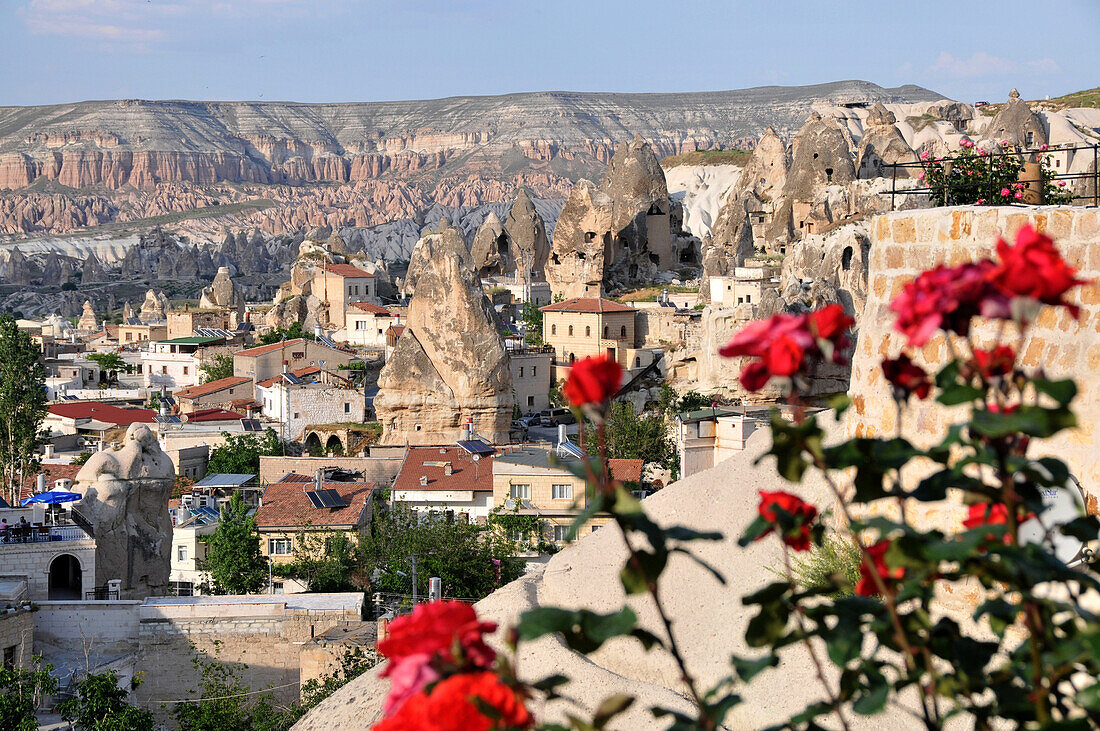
pixel 248 315
pixel 317 331
pixel 319 480
pixel 248 413
pixel 40 484
pixel 423 480
pixel 48 451
pixel 286 366
pixel 447 469
pixel 562 436
pixel 466 430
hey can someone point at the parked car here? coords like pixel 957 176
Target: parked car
pixel 980 104
pixel 553 417
pixel 519 430
pixel 530 420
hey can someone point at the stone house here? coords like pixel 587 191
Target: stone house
pixel 528 480
pixel 531 368
pixel 267 361
pixel 366 324
pixel 338 285
pixel 298 505
pixel 588 326
pixel 16 623
pixel 746 286
pixel 184 323
pixel 448 479
pixel 223 393
pixel 140 332
pixel 299 405
pixel 706 437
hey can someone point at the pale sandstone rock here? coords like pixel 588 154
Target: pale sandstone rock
pixel 582 243
pixel 222 293
pixel 125 497
pixel 88 321
pixel 527 236
pixel 450 363
pixel 1015 123
pixel 490 249
pixel 154 307
pixel 883 144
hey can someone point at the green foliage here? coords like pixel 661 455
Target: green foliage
pixel 325 561
pixel 633 436
pixel 111 364
pixel 240 455
pixel 833 565
pixel 462 554
pixel 532 318
pixel 557 398
pixel 225 700
pixel 291 333
pixel 21 693
pixel 100 705
pixel 671 403
pixel 233 558
pixel 980 178
pixel 354 663
pixel 82 458
pixel 217 368
pixel 22 404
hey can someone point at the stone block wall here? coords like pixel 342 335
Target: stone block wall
pixel 32 561
pixel 906 243
pixel 17 636
pixel 382 471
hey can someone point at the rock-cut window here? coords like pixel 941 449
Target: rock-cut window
pixel 622 331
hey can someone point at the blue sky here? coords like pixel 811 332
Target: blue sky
pixel 55 51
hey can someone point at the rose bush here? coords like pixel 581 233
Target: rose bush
pixel 978 176
pixel 1030 658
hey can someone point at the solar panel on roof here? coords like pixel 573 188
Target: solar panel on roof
pixel 251 425
pixel 170 400
pixel 291 378
pixel 334 499
pixel 167 419
pixel 315 499
pixel 476 446
pixel 571 449
pixel 325 340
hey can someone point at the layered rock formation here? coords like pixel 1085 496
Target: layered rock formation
pixel 154 308
pixel 126 500
pixel 222 293
pixel 1017 125
pixel 88 322
pixel 450 364
pixel 883 144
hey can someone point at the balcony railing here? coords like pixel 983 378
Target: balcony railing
pixel 43 534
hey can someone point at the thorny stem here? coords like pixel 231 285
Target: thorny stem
pixel 833 698
pixel 604 483
pixel 931 717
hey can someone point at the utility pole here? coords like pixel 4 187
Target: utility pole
pixel 412 558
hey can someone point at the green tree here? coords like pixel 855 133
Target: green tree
pixel 233 558
pixel 470 559
pixel 633 436
pixel 110 364
pixel 240 455
pixel 21 692
pixel 291 333
pixel 532 318
pixel 224 698
pixel 218 367
pixel 22 403
pixel 100 705
pixel 324 561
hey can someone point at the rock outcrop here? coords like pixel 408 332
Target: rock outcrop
pixel 92 271
pixel 449 364
pixel 154 308
pixel 125 497
pixel 88 322
pixel 582 243
pixel 17 269
pixel 222 293
pixel 527 236
pixel 1017 125
pixel 490 249
pixel 883 144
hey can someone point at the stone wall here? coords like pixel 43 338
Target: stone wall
pixel 32 561
pixel 102 629
pixel 909 242
pixel 17 635
pixel 380 470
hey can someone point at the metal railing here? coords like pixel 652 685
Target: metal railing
pixel 43 534
pixel 991 194
pixel 101 593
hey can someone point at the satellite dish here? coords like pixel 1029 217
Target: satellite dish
pixel 1060 506
pixel 510 504
pixel 476 457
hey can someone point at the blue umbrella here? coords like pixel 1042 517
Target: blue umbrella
pixel 52 498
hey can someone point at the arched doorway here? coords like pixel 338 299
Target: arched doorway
pixel 334 445
pixel 65 583
pixel 313 445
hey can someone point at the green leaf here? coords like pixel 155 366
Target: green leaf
pixel 838 403
pixel 767 626
pixel 749 668
pixel 582 630
pixel 790 442
pixel 755 529
pixel 550 683
pixel 1085 528
pixel 682 533
pixel 844 641
pixel 872 698
pixel 959 394
pixel 1061 391
pixel 642 570
pixel 1036 421
pixel 1089 697
pixel 611 707
pixel 768 594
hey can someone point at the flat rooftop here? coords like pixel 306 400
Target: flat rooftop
pixel 349 601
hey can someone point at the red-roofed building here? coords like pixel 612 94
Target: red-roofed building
pixel 446 479
pixel 92 417
pixel 59 477
pixel 215 394
pixel 338 285
pixel 266 361
pixel 212 415
pixel 585 327
pixel 287 511
pixel 366 324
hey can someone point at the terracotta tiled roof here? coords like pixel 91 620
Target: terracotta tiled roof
pixel 397 330
pixel 347 270
pixel 53 472
pixel 626 470
pixel 102 412
pixel 587 304
pixel 285 505
pixel 263 349
pixel 466 474
pixel 300 372
pixel 372 308
pixel 205 389
pixel 203 415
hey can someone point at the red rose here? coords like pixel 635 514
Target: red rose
pixel 981 514
pixel 830 321
pixel 593 380
pixel 947 298
pixel 867 585
pixel 1033 268
pixel 433 629
pixel 791 515
pixel 994 363
pixel 456 703
pixel 906 377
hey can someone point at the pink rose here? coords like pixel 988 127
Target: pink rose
pixel 924 155
pixel 408 676
pixel 1044 146
pixel 981 151
pixel 920 175
pixel 1019 194
pixel 1061 183
pixel 1005 192
pixel 980 201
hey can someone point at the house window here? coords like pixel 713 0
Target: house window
pixel 361 325
pixel 185 370
pixel 181 588
pixel 277 587
pixel 588 331
pixel 280 546
pixel 570 330
pixel 517 535
pixel 561 492
pixel 561 533
pixel 181 553
pixel 1030 138
pixel 164 370
pixel 530 400
pixel 622 331
pixel 606 332
pixel 521 371
pixel 297 415
pixel 534 371
pixel 347 407
pixel 520 492
pixel 9 657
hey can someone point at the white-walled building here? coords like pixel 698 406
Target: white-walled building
pixel 746 286
pixel 708 436
pixel 174 363
pixel 298 405
pixel 446 479
pixel 366 325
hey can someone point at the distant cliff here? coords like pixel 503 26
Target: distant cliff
pixel 143 143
